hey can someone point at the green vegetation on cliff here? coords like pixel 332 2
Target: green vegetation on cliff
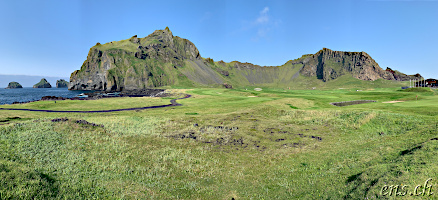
pixel 42 84
pixel 161 59
pixel 403 77
pixel 135 63
pixel 14 85
pixel 61 83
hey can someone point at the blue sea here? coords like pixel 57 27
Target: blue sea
pixel 8 96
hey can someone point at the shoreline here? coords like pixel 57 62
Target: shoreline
pixel 172 103
pixel 102 94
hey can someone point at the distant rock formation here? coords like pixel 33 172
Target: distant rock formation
pixel 328 65
pixel 228 86
pixel 14 85
pixel 42 84
pixel 61 83
pixel 161 59
pixel 403 77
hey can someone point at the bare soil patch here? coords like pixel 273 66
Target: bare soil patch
pixel 393 101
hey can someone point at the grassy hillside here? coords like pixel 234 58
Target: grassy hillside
pixel 223 144
pixel 285 76
pixel 162 59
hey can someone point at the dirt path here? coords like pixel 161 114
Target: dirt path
pixel 392 101
pixel 172 103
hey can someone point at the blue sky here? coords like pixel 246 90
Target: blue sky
pixel 52 38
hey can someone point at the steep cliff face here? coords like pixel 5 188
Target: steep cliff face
pixel 401 76
pixel 163 59
pixel 135 63
pixel 327 65
pixel 61 83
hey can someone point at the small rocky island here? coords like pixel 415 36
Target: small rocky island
pixel 14 85
pixel 42 84
pixel 61 83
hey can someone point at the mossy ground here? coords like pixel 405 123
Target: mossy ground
pixel 281 144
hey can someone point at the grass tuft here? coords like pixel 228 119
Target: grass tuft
pixel 284 144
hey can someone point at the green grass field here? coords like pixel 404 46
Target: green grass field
pixel 224 144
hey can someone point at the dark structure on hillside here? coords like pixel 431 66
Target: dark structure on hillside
pixel 427 83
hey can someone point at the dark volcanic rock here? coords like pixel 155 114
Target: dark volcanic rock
pixel 327 65
pixel 59 119
pixel 61 83
pixel 51 98
pixel 142 92
pixel 137 63
pixel 42 84
pixel 228 86
pixel 401 76
pixel 134 39
pixel 14 85
pixel 84 122
pixel 225 73
pixel 81 121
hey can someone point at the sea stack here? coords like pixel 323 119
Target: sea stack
pixel 42 84
pixel 61 83
pixel 14 85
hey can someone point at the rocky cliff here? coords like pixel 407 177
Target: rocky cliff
pixel 42 84
pixel 327 65
pixel 135 63
pixel 163 59
pixel 14 85
pixel 403 77
pixel 61 83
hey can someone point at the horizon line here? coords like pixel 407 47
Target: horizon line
pixel 34 75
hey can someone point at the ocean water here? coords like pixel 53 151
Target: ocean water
pixel 8 96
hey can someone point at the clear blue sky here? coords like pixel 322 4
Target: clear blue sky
pixel 52 38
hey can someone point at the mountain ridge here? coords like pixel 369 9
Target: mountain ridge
pixel 161 59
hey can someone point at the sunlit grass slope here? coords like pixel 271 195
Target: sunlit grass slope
pixel 223 144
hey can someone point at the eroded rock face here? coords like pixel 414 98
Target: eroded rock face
pixel 14 85
pixel 162 59
pixel 92 73
pixel 135 63
pixel 42 84
pixel 327 65
pixel 401 76
pixel 61 83
pixel 228 86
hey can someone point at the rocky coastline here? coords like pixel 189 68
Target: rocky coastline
pixel 102 94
